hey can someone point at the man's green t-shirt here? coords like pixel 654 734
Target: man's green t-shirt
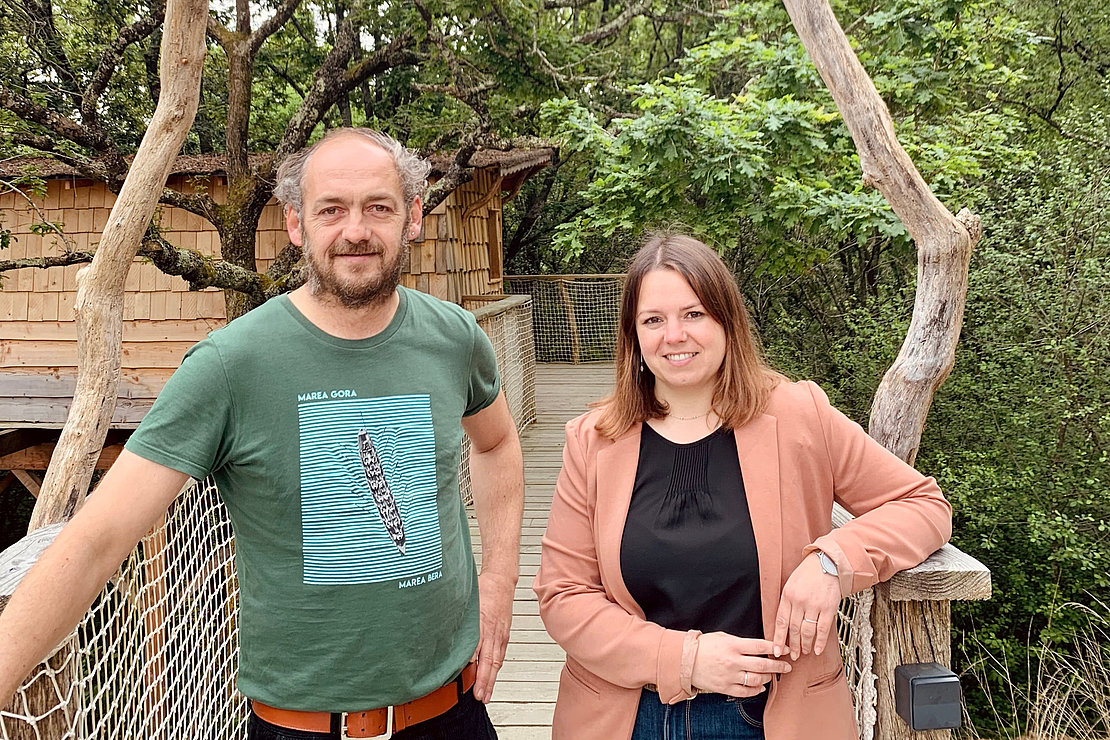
pixel 338 462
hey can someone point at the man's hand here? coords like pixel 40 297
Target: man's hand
pixel 495 601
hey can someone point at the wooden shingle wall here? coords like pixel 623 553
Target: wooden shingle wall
pixel 452 260
pixel 162 317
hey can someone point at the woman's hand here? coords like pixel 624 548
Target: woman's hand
pixel 736 666
pixel 807 610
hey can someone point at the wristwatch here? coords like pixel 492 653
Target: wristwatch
pixel 827 564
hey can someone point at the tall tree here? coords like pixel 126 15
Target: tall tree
pixel 439 75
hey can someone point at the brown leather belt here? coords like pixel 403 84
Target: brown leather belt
pixel 373 722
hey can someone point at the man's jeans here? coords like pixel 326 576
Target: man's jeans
pixel 705 717
pixel 466 720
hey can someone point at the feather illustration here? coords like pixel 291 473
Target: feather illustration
pixel 379 490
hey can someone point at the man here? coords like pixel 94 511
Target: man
pixel 331 419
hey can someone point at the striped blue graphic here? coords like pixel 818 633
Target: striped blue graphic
pixel 368 490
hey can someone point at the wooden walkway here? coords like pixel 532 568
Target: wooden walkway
pixel 524 698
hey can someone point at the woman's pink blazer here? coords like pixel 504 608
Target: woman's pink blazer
pixel 796 458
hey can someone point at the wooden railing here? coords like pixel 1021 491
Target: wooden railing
pixel 911 622
pixel 575 316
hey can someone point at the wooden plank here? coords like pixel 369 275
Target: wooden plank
pixel 18 559
pixel 537 714
pixel 30 481
pixel 38 458
pixel 52 412
pixel 17 440
pixel 52 353
pixel 51 384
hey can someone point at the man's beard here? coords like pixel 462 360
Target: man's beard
pixel 357 291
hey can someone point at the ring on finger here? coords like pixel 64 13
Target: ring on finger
pixel 745 679
pixel 807 619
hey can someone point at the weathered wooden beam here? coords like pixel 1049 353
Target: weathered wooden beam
pixel 18 559
pixel 906 632
pixel 40 695
pixel 38 458
pixel 499 307
pixel 30 481
pixel 949 574
pixel 15 440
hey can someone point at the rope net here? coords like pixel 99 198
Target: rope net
pixel 853 626
pixel 159 648
pixel 575 316
pixel 159 644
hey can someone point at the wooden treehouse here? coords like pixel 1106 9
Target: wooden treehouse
pixel 458 255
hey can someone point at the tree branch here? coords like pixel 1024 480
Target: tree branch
pixel 273 24
pixel 1048 120
pixel 64 126
pixel 199 270
pixel 458 172
pixel 137 31
pixel 333 79
pixel 200 204
pixel 286 78
pixel 219 34
pixel 40 17
pixel 67 258
pixel 613 26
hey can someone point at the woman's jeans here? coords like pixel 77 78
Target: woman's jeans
pixel 705 717
pixel 467 719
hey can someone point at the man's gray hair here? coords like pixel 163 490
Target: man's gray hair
pixel 411 168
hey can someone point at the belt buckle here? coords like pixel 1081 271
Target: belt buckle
pixel 388 726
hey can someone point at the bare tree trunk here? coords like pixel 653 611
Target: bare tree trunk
pixel 914 631
pixel 944 242
pixel 100 290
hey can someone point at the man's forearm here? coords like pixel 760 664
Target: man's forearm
pixel 58 590
pixel 497 476
pixel 50 601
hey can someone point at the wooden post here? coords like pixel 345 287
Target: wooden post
pixel 912 622
pixel 572 323
pixel 100 286
pixel 907 632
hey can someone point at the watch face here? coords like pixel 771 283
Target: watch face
pixel 827 564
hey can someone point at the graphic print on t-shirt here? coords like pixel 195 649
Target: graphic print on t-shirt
pixel 368 489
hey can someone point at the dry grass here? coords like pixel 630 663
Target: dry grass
pixel 1068 692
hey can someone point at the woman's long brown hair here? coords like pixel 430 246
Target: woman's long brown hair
pixel 744 381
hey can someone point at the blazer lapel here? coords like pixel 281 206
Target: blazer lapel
pixel 758 448
pixel 616 475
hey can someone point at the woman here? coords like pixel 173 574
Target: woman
pixel 688 568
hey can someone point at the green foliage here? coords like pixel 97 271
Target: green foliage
pixel 745 138
pixel 1021 435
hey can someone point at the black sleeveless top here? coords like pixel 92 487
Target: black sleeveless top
pixel 688 553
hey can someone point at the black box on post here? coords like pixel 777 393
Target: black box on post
pixel 927 696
